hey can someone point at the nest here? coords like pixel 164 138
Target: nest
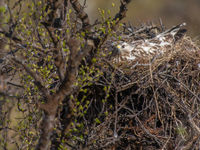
pixel 147 104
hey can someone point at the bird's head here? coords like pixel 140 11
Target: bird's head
pixel 121 48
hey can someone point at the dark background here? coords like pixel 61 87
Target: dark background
pixel 172 12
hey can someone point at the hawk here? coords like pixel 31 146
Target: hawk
pixel 129 50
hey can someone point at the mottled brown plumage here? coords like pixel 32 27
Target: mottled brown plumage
pixel 127 50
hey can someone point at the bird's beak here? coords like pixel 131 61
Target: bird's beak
pixel 118 46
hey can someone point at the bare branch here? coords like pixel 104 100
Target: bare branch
pixel 81 14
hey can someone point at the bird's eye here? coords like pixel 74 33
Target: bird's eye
pixel 123 46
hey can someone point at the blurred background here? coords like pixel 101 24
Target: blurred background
pixel 172 12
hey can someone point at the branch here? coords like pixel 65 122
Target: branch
pixel 8 35
pixel 50 108
pixel 58 59
pixel 118 17
pixel 47 127
pixel 122 12
pixel 16 85
pixel 66 88
pixel 50 30
pixel 98 42
pixel 38 81
pixel 81 14
pixel 147 131
pixel 52 7
pixel 8 95
pixel 74 62
pixel 67 85
pixel 57 53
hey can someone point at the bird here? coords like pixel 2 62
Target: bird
pixel 129 50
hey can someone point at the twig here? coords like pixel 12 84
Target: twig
pixel 183 85
pixel 81 14
pixel 37 80
pixel 148 133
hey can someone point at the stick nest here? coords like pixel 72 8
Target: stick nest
pixel 146 104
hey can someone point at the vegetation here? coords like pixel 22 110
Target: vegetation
pixel 60 89
pixel 51 52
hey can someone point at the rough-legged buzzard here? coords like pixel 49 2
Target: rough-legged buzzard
pixel 130 50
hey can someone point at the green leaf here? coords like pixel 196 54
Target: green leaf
pixel 2 9
pixel 97 120
pixel 94 60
